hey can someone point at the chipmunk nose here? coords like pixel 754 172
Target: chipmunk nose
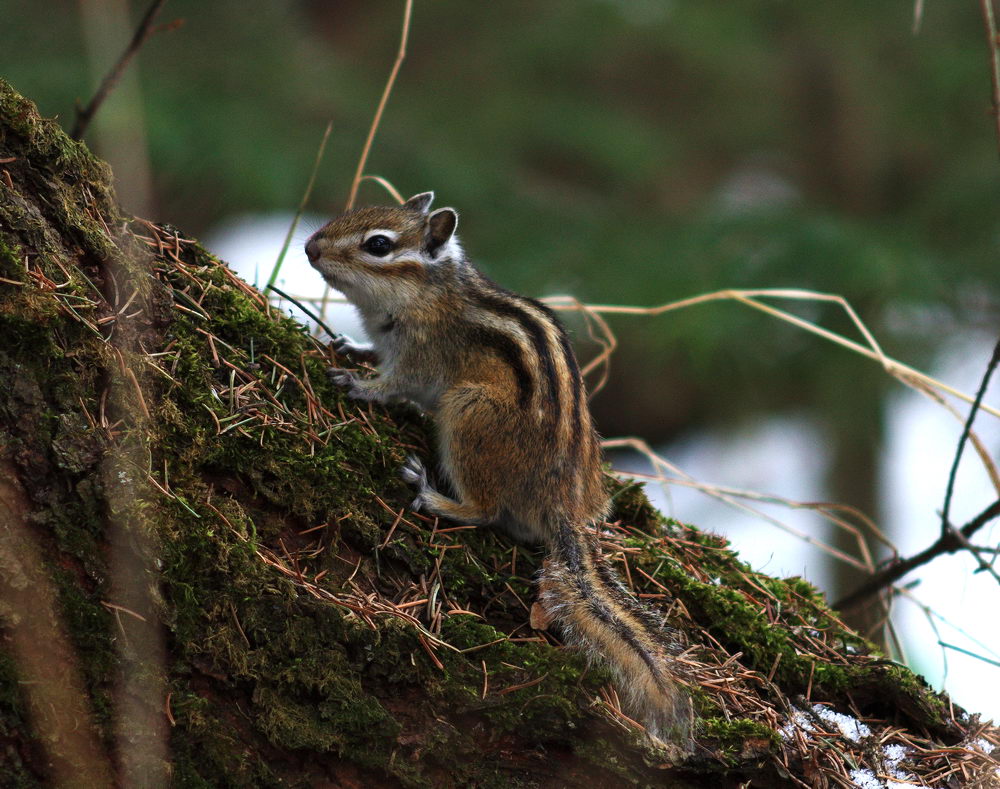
pixel 312 250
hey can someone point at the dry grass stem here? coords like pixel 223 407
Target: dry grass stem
pixel 366 150
pixel 872 350
pixel 302 207
pixel 387 185
pixel 993 45
pixel 376 121
pixel 864 560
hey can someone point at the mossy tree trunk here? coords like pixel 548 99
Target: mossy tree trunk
pixel 209 576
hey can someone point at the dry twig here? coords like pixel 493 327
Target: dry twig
pixel 142 33
pixel 951 539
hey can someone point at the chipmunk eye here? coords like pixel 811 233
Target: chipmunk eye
pixel 378 245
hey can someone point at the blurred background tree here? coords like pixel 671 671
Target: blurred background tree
pixel 623 151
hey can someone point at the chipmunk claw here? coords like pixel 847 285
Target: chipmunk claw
pixel 343 344
pixel 359 351
pixel 346 379
pixel 414 473
pixel 340 377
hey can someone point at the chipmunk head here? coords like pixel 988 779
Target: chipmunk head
pixel 367 250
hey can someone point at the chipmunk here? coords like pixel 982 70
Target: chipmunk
pixel 497 373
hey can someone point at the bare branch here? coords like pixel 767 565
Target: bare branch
pixel 143 32
pixel 990 368
pixel 993 42
pixel 984 566
pixel 970 654
pixel 950 542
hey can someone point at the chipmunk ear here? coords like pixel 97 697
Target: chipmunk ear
pixel 440 228
pixel 421 202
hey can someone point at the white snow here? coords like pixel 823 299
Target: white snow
pixel 850 727
pixel 251 245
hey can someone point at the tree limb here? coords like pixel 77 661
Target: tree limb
pixel 951 539
pixel 143 32
pixel 949 542
pixel 990 368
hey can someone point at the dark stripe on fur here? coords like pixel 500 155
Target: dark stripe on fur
pixel 409 269
pixel 650 621
pixel 568 548
pixel 507 308
pixel 510 352
pixel 505 302
pixel 577 383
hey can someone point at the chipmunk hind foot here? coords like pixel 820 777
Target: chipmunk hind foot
pixel 432 501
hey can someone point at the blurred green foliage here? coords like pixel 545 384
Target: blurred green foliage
pixel 620 150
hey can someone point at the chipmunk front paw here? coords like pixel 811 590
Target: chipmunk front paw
pixel 340 377
pixel 345 346
pixel 346 379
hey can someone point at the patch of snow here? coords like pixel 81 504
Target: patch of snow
pixel 983 745
pixel 892 755
pixel 865 779
pixel 799 720
pixel 850 727
pixel 251 244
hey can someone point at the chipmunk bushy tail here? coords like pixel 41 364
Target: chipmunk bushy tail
pixel 581 592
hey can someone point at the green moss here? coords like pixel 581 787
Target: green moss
pixel 632 507
pixel 90 626
pixel 305 665
pixel 208 750
pixel 548 708
pixel 344 724
pixel 734 601
pixel 735 738
pixel 10 259
pixel 74 183
pixel 742 626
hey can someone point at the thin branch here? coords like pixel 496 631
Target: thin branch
pixel 983 549
pixel 970 654
pixel 949 542
pixel 332 334
pixel 993 42
pixel 989 465
pixel 730 497
pixel 931 614
pixel 873 351
pixel 990 368
pixel 984 566
pixel 143 32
